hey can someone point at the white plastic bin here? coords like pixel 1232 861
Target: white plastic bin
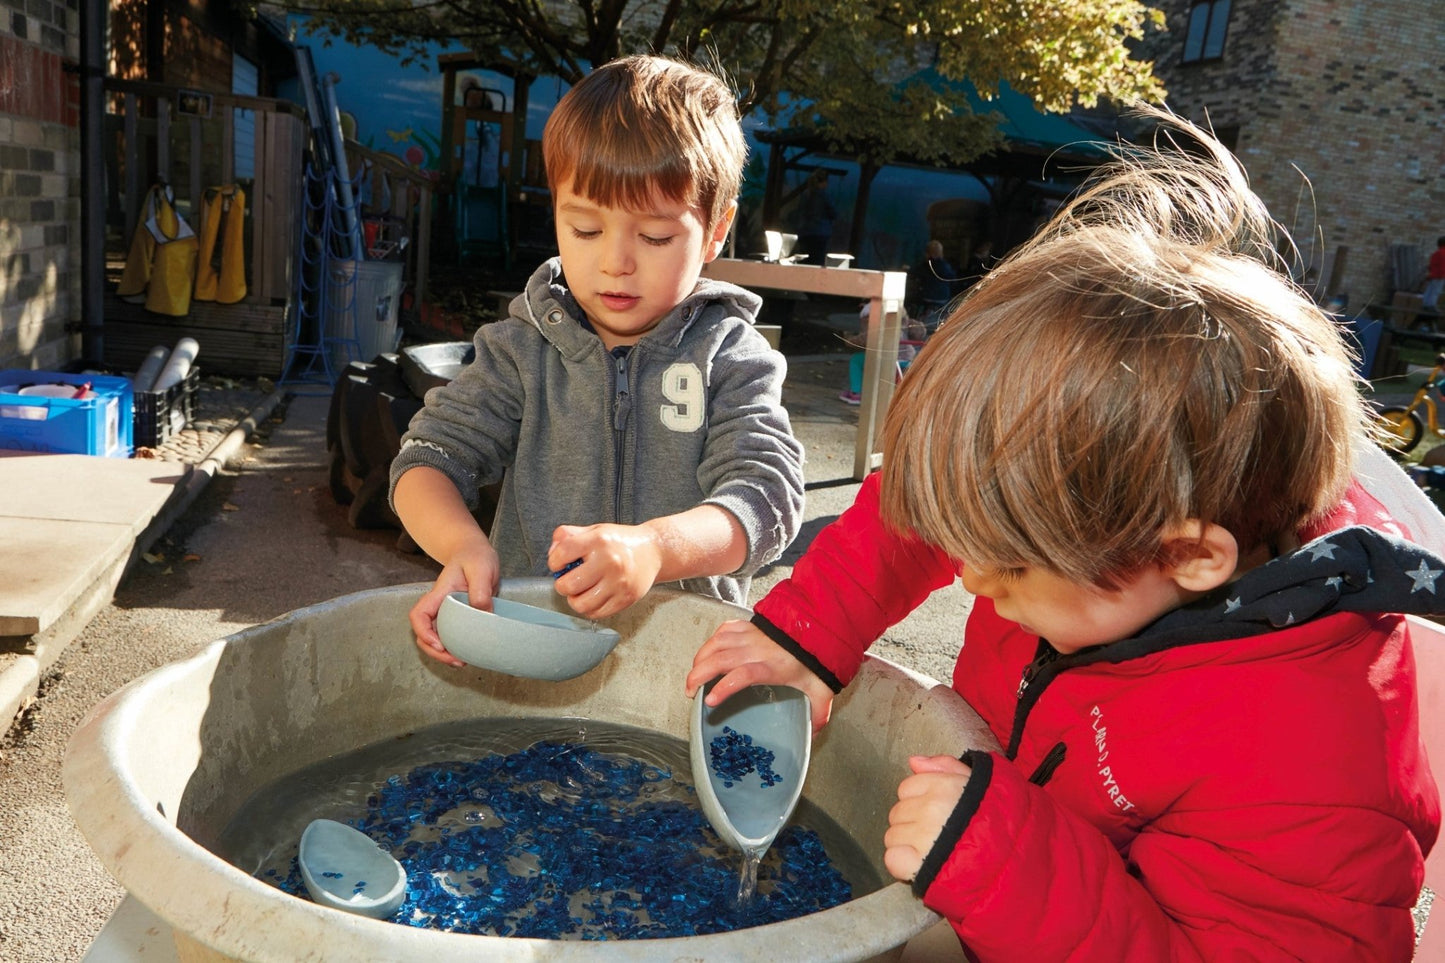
pixel 362 302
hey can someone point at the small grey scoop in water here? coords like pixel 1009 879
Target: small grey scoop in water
pixel 344 869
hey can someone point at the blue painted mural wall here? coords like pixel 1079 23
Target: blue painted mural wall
pixel 398 109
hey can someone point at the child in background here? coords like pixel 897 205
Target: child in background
pixel 1434 276
pixel 1134 442
pixel 931 286
pixel 631 410
pixel 910 335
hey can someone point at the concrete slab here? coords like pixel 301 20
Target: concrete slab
pixel 84 488
pixel 19 680
pixel 47 564
pixel 63 520
pixel 70 524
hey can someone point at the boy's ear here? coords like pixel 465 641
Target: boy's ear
pixel 1204 557
pixel 719 233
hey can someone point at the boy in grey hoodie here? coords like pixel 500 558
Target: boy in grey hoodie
pixel 630 409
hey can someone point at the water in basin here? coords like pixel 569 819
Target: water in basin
pixel 550 828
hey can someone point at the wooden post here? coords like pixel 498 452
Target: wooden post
pixel 447 162
pixel 247 338
pixel 266 275
pixel 163 139
pixel 133 158
pixel 521 93
pixel 773 189
pixel 228 144
pixel 884 291
pixel 193 124
pixel 290 187
pixel 423 245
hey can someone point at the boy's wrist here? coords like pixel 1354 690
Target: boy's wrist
pixel 980 776
pixel 466 546
pixel 805 658
pixel 655 549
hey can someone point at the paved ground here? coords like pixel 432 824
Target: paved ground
pixel 72 526
pixel 263 538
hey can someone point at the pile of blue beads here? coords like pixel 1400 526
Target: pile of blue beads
pixel 559 841
pixel 733 755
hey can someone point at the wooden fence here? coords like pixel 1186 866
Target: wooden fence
pixel 399 199
pixel 195 140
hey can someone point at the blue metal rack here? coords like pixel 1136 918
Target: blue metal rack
pixel 324 334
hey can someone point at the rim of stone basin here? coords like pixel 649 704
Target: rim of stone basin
pixel 215 904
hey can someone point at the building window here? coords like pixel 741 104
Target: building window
pixel 1208 24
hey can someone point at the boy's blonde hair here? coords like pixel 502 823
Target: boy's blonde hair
pixel 647 126
pixel 1135 365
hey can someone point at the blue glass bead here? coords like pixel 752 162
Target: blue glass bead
pixel 568 820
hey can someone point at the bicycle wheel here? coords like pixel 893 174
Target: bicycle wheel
pixel 1403 429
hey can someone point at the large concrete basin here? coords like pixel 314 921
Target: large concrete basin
pixel 157 769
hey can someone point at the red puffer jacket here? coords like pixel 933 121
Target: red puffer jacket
pixel 1179 796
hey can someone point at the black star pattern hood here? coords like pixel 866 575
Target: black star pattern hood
pixel 1353 569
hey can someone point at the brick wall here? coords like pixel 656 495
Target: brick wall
pixel 39 182
pixel 1350 93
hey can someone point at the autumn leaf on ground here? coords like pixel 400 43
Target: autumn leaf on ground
pixel 153 559
pixel 228 507
pixel 191 557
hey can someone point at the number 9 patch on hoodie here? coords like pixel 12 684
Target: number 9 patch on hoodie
pixel 682 385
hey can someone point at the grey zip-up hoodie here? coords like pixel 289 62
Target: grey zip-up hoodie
pixel 692 414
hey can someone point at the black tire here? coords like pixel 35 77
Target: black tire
pixel 1402 429
pixel 371 406
pixel 370 509
pixel 341 481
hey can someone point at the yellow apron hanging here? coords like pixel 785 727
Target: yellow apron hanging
pixel 222 277
pixel 161 265
pixel 137 272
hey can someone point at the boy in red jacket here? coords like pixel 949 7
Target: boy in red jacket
pixel 1135 442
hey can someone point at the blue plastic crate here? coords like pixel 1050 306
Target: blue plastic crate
pixel 100 424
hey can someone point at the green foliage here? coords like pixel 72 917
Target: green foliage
pixel 1057 52
pixel 849 61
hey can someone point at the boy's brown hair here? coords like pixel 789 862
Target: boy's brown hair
pixel 644 126
pixel 1135 365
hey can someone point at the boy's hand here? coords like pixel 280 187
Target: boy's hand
pixel 740 653
pixel 475 571
pixel 619 564
pixel 925 801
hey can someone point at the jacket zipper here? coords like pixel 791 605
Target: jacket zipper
pixel 1046 654
pixel 621 411
pixel 1028 692
pixel 1046 768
